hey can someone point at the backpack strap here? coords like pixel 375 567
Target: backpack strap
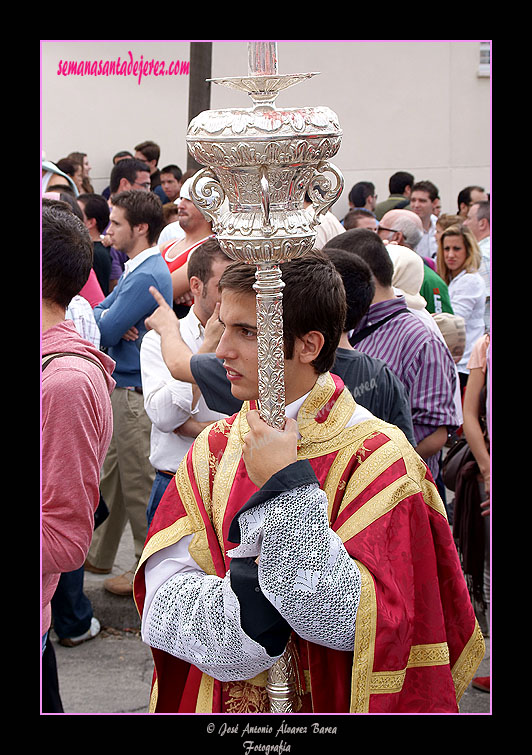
pixel 47 358
pixel 356 337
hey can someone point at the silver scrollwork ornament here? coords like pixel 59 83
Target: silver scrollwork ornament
pixel 261 163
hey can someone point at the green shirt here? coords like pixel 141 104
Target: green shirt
pixel 391 204
pixel 435 292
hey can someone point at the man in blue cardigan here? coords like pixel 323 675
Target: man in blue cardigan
pixel 135 223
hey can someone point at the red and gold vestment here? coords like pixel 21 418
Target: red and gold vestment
pixel 417 642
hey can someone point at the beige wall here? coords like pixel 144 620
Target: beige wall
pixel 403 105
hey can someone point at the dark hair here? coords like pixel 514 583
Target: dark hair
pixel 313 299
pixel 96 207
pixel 429 187
pixel 351 219
pixel 399 181
pixel 358 283
pixel 67 254
pixel 61 188
pixel 175 170
pixel 360 192
pixel 126 169
pixel 170 212
pixel 69 166
pixel 77 157
pixel 72 202
pixel 368 245
pixel 464 197
pixel 200 261
pixel 150 150
pixel 141 207
pixel 122 154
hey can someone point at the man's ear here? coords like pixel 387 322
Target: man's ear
pixel 143 228
pixel 399 238
pixel 308 347
pixel 196 286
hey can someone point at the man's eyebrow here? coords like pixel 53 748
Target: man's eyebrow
pixel 245 325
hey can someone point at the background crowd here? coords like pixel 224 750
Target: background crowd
pixel 416 354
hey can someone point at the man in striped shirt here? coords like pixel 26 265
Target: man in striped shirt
pixel 413 352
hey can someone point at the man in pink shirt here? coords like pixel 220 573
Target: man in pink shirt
pixel 76 416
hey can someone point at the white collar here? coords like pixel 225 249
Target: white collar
pixel 196 329
pixel 291 411
pixel 131 264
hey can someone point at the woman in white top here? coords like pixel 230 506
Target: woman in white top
pixel 457 262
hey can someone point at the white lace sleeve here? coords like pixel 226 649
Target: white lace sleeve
pixel 196 617
pixel 304 568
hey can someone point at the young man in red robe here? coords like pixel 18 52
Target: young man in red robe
pixel 329 536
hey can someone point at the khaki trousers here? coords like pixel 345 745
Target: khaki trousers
pixel 126 479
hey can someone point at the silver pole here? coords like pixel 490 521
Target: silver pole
pixel 260 162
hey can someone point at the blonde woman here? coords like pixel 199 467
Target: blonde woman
pixel 458 261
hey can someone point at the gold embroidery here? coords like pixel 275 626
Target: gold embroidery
pixel 381 503
pixel 205 694
pixel 168 536
pixel 369 470
pixel 365 632
pixel 221 426
pixel 200 452
pixel 432 497
pixel 318 406
pixel 387 682
pixel 246 698
pixel 332 482
pixel 384 501
pixel 465 667
pixel 436 654
pixel 226 474
pixel 199 546
pixel 153 697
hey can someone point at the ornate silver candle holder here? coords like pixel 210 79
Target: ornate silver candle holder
pixel 261 163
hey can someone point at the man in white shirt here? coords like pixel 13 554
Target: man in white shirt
pixel 178 411
pixel 423 201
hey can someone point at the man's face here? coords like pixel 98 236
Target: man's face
pixel 421 204
pixel 386 234
pixel 151 163
pixel 478 196
pixel 474 196
pixel 209 295
pixel 238 350
pixel 142 181
pixel 188 215
pixel 170 185
pixel 86 221
pixel 367 222
pixel 472 222
pixel 120 232
pixel 238 344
